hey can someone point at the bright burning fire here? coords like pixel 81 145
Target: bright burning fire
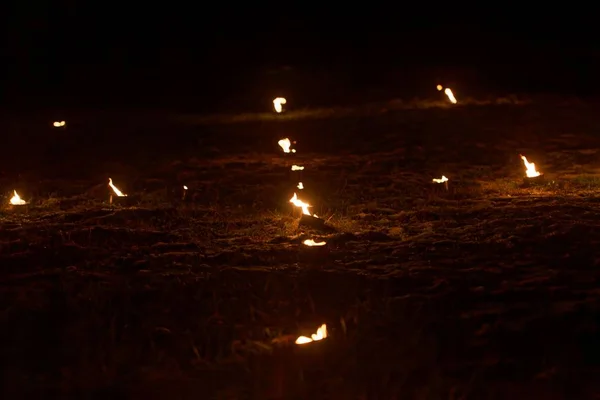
pixel 450 95
pixel 530 171
pixel 439 87
pixel 441 180
pixel 278 102
pixel 300 185
pixel 297 168
pixel 315 337
pixel 16 200
pixel 311 243
pixel 285 144
pixel 58 124
pixel 115 189
pixel 300 204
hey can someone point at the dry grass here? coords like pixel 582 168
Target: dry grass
pixel 488 290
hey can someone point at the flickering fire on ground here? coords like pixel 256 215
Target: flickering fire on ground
pixel 16 200
pixel 319 335
pixel 530 170
pixel 278 103
pixel 115 189
pixel 285 144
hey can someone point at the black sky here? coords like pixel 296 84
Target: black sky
pixel 77 48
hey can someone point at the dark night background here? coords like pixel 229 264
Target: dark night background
pixel 202 58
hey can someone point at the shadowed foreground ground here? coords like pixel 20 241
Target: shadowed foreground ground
pixel 489 290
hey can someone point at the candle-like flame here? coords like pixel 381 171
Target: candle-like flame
pixel 530 170
pixel 300 204
pixel 439 87
pixel 185 187
pixel 300 185
pixel 441 180
pixel 297 168
pixel 278 102
pixel 450 95
pixel 114 188
pixel 16 200
pixel 285 144
pixel 315 337
pixel 311 243
pixel 59 124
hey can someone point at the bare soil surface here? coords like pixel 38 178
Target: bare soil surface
pixel 487 290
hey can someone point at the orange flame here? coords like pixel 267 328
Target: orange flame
pixel 315 337
pixel 530 170
pixel 441 180
pixel 278 102
pixel 300 204
pixel 450 95
pixel 16 200
pixel 115 189
pixel 285 144
pixel 311 243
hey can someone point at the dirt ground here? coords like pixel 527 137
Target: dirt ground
pixel 490 290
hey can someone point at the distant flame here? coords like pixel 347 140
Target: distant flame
pixel 16 200
pixel 278 102
pixel 439 87
pixel 450 95
pixel 59 124
pixel 530 171
pixel 285 144
pixel 297 168
pixel 300 185
pixel 311 243
pixel 441 180
pixel 315 337
pixel 185 187
pixel 299 203
pixel 114 188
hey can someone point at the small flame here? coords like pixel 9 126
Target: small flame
pixel 439 87
pixel 285 144
pixel 450 95
pixel 16 200
pixel 278 102
pixel 299 203
pixel 59 124
pixel 185 187
pixel 114 188
pixel 441 180
pixel 300 185
pixel 311 243
pixel 297 168
pixel 315 337
pixel 530 171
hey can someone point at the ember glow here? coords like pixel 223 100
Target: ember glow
pixel 300 204
pixel 530 170
pixel 297 168
pixel 278 103
pixel 285 144
pixel 16 200
pixel 439 87
pixel 450 95
pixel 300 186
pixel 312 243
pixel 441 180
pixel 115 189
pixel 315 337
pixel 58 124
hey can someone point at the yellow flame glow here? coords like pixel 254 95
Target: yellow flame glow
pixel 530 170
pixel 315 337
pixel 311 243
pixel 278 102
pixel 114 188
pixel 441 180
pixel 16 200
